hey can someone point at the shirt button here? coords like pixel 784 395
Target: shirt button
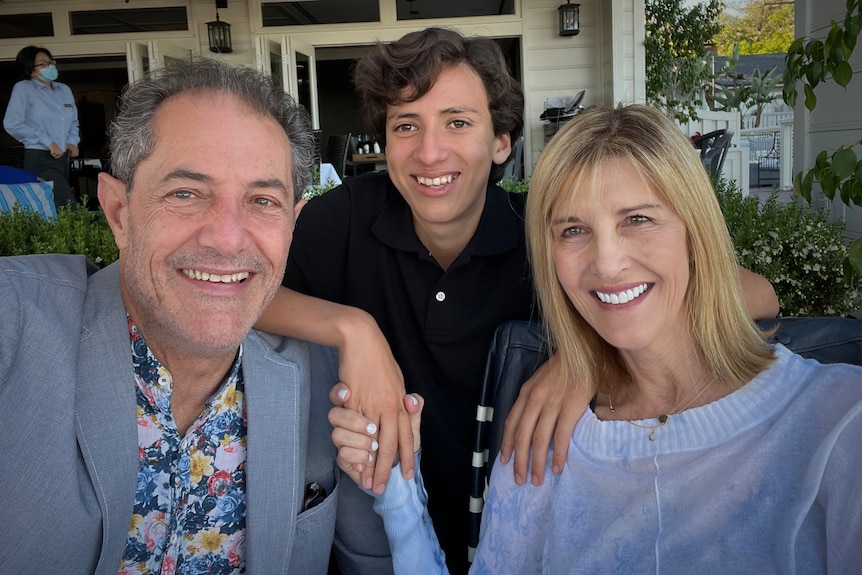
pixel 440 296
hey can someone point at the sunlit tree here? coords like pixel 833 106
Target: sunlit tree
pixel 761 27
pixel 676 61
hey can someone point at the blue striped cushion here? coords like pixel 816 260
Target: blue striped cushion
pixel 38 196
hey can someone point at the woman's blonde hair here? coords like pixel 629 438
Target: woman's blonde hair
pixel 731 345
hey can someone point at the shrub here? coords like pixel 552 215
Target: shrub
pixel 315 190
pixel 799 250
pixel 75 231
pixel 513 185
pixel 318 189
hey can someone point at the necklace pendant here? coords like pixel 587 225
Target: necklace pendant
pixel 662 419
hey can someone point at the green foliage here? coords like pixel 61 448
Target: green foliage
pixel 763 27
pixel 812 62
pixel 762 91
pixel 675 45
pixel 317 189
pixel 839 172
pixel 513 185
pixel 742 97
pixel 733 98
pixel 799 250
pixel 75 231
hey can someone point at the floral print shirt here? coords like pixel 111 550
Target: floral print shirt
pixel 189 514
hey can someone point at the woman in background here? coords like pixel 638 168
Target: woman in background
pixel 43 117
pixel 704 448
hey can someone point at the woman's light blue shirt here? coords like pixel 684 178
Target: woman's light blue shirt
pixel 38 115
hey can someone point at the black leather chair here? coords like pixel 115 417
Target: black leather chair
pixel 520 347
pixel 514 167
pixel 336 152
pixel 713 150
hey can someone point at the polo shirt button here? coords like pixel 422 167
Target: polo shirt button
pixel 440 296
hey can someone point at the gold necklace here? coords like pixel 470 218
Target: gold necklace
pixel 663 418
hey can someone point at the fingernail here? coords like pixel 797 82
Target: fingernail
pixel 519 479
pixel 371 429
pixel 535 479
pixel 374 445
pixel 414 400
pixel 342 393
pixel 557 469
pixel 370 458
pixel 366 483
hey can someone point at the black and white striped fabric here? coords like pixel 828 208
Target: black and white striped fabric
pixel 517 350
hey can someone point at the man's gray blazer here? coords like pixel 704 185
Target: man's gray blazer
pixel 68 438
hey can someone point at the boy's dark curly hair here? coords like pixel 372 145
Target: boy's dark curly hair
pixel 415 61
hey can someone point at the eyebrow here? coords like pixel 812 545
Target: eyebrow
pixel 444 112
pixel 620 212
pixel 183 174
pixel 638 208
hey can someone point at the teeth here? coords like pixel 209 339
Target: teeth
pixel 215 278
pixel 441 181
pixel 622 297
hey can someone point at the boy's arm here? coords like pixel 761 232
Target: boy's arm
pixel 758 295
pixel 366 365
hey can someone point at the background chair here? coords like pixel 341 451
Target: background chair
pixel 336 152
pixel 514 168
pixel 769 165
pixel 318 145
pixel 713 150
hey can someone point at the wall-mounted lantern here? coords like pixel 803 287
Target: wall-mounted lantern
pixel 569 19
pixel 219 32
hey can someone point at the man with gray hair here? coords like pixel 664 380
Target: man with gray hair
pixel 147 429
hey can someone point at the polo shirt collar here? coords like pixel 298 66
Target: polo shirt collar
pixel 498 229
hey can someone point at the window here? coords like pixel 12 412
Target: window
pixel 319 12
pixel 26 25
pixel 129 20
pixel 424 9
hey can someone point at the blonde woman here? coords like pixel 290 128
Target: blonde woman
pixel 704 448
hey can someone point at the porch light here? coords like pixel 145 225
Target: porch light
pixel 569 19
pixel 219 33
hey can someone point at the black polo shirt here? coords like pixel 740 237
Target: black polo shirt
pixel 356 245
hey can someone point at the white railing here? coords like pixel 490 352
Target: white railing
pixel 774 114
pixel 767 120
pixel 771 154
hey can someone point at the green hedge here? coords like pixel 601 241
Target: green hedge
pixel 798 249
pixel 75 231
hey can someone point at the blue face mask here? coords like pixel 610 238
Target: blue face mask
pixel 49 73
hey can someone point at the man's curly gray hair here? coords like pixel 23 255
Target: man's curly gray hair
pixel 132 131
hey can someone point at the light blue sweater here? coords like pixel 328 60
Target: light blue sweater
pixel 765 480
